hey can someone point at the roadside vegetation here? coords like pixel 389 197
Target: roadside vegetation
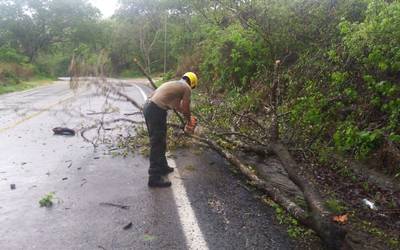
pixel 321 78
pixel 24 85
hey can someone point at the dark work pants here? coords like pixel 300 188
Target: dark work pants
pixel 156 121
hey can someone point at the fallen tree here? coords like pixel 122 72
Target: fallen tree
pixel 314 215
pixel 318 217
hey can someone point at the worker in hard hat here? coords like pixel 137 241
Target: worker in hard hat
pixel 170 95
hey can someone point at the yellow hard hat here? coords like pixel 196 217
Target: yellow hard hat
pixel 192 79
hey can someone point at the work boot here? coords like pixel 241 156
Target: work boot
pixel 170 170
pixel 167 170
pixel 159 181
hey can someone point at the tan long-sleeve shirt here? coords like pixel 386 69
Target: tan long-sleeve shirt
pixel 173 95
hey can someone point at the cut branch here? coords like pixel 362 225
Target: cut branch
pixel 291 207
pixel 145 73
pixel 331 234
pixel 318 219
pixel 239 135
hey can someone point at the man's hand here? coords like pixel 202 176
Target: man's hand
pixel 191 125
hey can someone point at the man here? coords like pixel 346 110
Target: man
pixel 171 95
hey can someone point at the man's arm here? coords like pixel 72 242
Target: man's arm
pixel 185 106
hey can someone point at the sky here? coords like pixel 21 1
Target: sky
pixel 107 7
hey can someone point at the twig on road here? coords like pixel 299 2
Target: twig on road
pixel 114 205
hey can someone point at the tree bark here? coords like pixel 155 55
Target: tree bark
pixel 332 235
pixel 291 207
pixel 318 220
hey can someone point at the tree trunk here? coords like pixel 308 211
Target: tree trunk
pixel 318 220
pixel 332 235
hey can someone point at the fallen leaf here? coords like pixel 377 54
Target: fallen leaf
pixel 64 131
pixel 342 219
pixel 148 237
pixel 190 168
pixel 127 226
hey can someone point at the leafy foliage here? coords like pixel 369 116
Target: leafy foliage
pixel 235 56
pixel 47 200
pixel 337 63
pixel 45 33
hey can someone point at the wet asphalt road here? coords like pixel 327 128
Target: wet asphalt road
pixel 207 207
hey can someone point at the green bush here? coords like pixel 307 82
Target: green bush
pixel 10 55
pixel 233 57
pixel 14 66
pixel 374 47
pixel 53 65
pixel 346 95
pixel 12 73
pixel 375 42
pixel 130 73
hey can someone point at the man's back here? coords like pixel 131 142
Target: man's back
pixel 170 94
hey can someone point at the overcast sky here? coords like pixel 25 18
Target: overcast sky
pixel 107 7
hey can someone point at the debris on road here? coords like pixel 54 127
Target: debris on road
pixel 47 200
pixel 127 226
pixel 369 204
pixel 65 178
pixel 63 131
pixel 99 113
pixel 148 237
pixel 84 181
pixel 12 186
pixel 114 205
pixel 70 163
pixel 135 113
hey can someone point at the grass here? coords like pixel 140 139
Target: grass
pixel 15 87
pixel 335 206
pixel 392 240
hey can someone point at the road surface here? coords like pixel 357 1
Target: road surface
pixel 206 208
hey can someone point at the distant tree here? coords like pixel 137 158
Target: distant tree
pixel 146 18
pixel 35 25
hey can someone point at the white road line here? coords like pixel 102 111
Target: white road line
pixel 190 227
pixel 141 92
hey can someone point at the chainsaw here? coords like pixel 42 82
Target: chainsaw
pixel 191 125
